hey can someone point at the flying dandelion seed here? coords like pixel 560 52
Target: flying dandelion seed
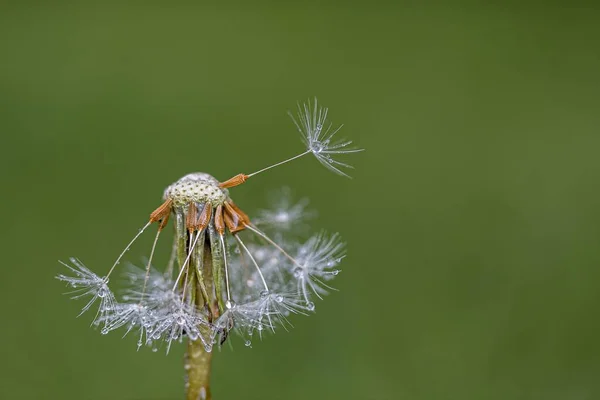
pixel 226 274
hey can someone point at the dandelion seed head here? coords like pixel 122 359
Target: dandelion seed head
pixel 197 187
pixel 225 273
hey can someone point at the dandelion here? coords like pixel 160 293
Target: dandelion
pixel 225 274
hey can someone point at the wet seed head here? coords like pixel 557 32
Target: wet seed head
pixel 226 273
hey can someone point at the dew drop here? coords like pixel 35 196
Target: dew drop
pixel 279 298
pixel 335 272
pixel 180 320
pixel 297 272
pixel 104 331
pixel 248 343
pixel 310 306
pixel 154 349
pixel 208 348
pixel 102 292
pixel 264 294
pixel 202 395
pixel 230 304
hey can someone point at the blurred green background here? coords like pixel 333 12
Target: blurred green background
pixel 472 221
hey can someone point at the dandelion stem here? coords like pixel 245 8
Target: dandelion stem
pixel 197 359
pixel 198 367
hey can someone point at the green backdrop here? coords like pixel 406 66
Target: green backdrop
pixel 472 221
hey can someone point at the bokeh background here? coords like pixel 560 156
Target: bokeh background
pixel 472 221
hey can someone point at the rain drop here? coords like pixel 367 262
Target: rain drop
pixel 310 306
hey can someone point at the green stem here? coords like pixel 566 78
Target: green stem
pixel 196 287
pixel 197 359
pixel 198 367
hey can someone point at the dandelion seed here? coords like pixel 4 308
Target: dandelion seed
pixel 87 284
pixel 133 317
pixel 284 215
pixel 158 288
pixel 173 323
pixel 316 264
pixel 318 136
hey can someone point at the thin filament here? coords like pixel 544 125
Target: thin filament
pixel 171 264
pixel 150 263
pixel 279 163
pixel 253 261
pixel 226 267
pixel 278 247
pixel 186 261
pixel 126 249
